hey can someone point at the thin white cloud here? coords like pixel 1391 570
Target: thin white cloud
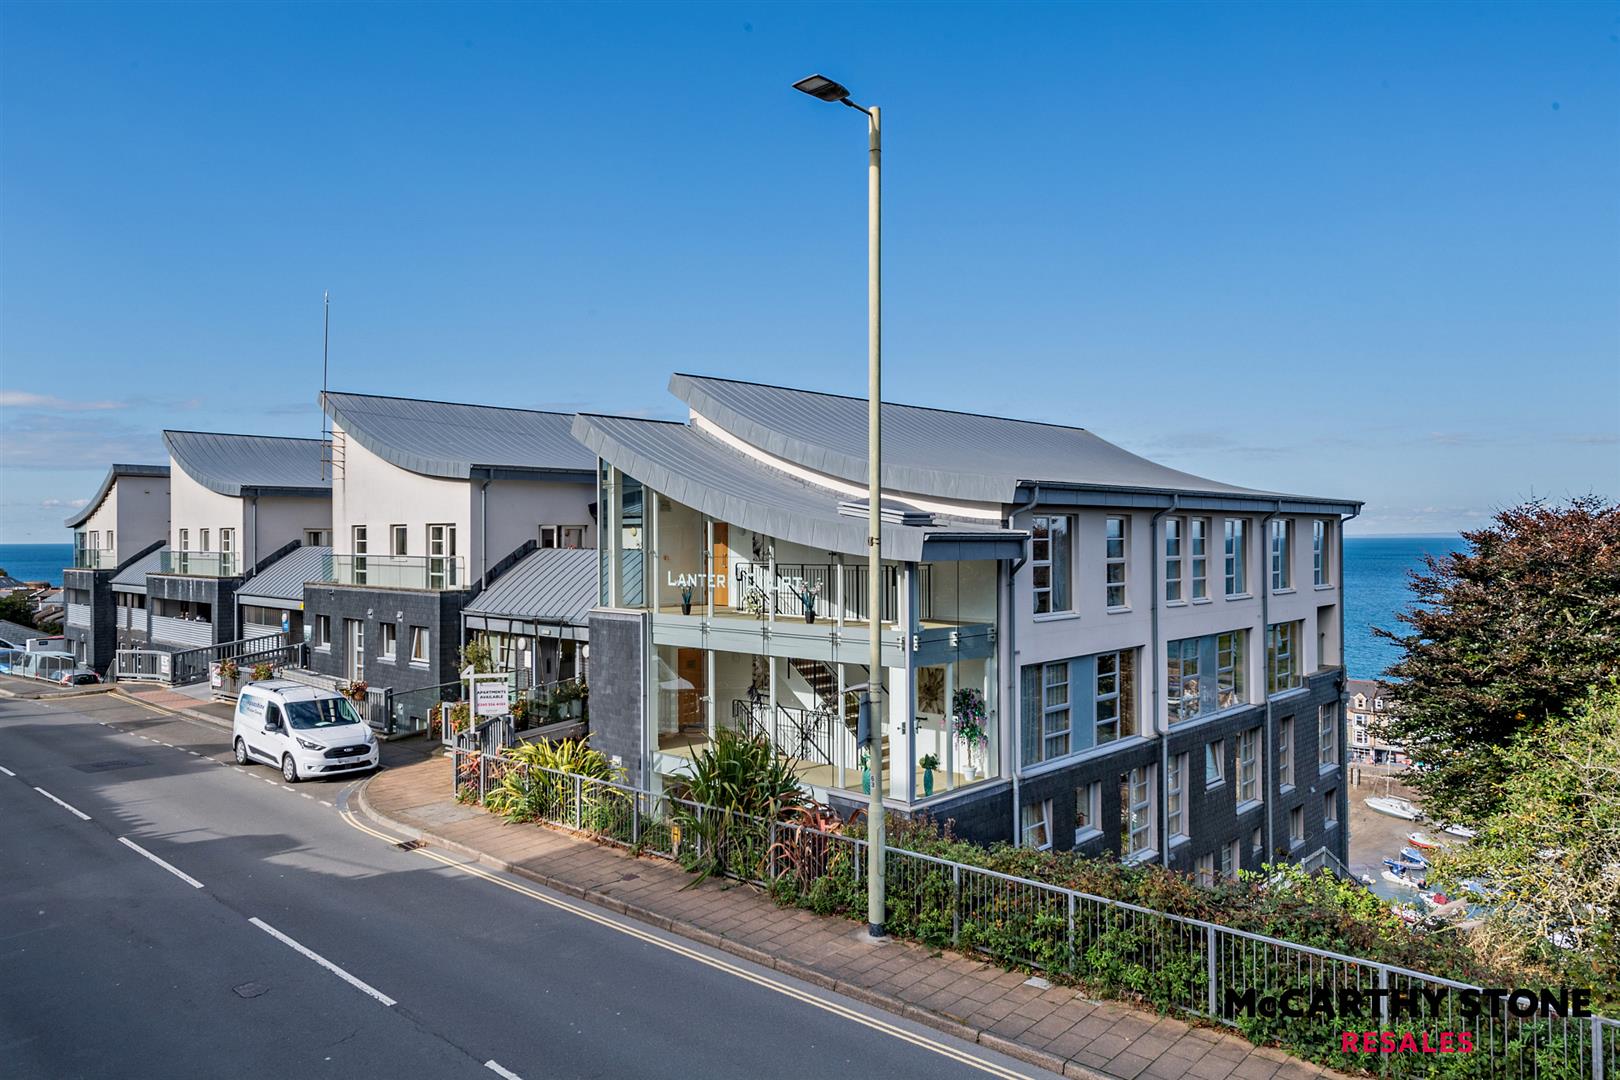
pixel 24 399
pixel 64 504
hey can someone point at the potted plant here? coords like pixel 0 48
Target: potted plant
pixel 807 597
pixel 354 691
pixel 968 723
pixel 928 764
pixel 686 599
pixel 228 673
pixel 262 671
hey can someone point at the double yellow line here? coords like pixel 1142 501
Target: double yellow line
pixel 784 989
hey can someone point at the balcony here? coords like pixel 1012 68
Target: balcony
pixel 217 564
pixel 428 572
pixel 825 592
pixel 94 558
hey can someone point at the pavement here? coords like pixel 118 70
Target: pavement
pixel 1052 1027
pixel 165 912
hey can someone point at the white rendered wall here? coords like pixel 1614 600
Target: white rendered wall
pixel 143 512
pixel 517 508
pixel 366 490
pixel 194 507
pixel 277 520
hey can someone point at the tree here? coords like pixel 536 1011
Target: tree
pixel 1551 850
pixel 14 607
pixel 1505 635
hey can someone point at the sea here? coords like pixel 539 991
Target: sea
pixel 1376 571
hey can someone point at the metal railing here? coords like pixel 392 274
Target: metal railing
pixel 48 666
pixel 94 558
pixel 1110 946
pixel 191 665
pixel 397 571
pixel 141 665
pixel 795 588
pixel 200 563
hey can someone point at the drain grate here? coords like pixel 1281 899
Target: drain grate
pixel 410 845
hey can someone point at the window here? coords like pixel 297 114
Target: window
pixel 548 536
pixel 1199 540
pixel 1319 552
pixel 1248 762
pixel 1231 861
pixel 1281 555
pixel 360 544
pixel 1172 560
pixel 1360 734
pixel 1282 657
pixel 1136 813
pixel 1175 806
pixel 1037 822
pixel 323 631
pixel 1051 547
pixel 1236 554
pixel 398 540
pixel 185 539
pixel 388 640
pixel 95 540
pixel 1257 840
pixel 442 556
pixel 227 540
pixel 1204 870
pixel 1215 763
pixel 419 645
pixel 1182 670
pixel 1115 696
pixel 110 545
pixel 1087 812
pixel 202 540
pixel 1296 826
pixel 573 536
pixel 1114 560
pixel 1327 736
pixel 1054 710
pixel 1188 663
pixel 1285 753
pixel 1330 807
pixel 317 538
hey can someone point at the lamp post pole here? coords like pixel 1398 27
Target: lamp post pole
pixel 825 89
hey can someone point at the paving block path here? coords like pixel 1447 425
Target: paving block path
pixel 1053 1027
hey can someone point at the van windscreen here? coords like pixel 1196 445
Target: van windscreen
pixel 328 712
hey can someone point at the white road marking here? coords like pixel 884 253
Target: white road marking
pixel 321 960
pixel 193 753
pixel 176 871
pixel 7 771
pixel 75 811
pixel 495 1067
pixel 306 795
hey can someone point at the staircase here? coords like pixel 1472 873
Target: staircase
pixel 823 681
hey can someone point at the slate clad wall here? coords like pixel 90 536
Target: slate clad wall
pixel 618 662
pixel 440 612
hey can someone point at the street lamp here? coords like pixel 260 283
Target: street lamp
pixel 825 89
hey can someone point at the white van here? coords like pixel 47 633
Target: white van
pixel 304 731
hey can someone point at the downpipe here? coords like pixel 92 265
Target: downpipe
pixel 1011 681
pixel 1265 678
pixel 1153 667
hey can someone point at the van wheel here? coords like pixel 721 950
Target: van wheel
pixel 289 769
pixel 241 752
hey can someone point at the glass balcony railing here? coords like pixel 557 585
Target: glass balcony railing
pixel 94 558
pixel 201 563
pixel 398 571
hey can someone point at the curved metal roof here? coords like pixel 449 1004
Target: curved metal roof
pixel 238 465
pixel 551 585
pixel 75 520
pixel 699 470
pixel 442 438
pixel 934 452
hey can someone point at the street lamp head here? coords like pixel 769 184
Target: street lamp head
pixel 819 86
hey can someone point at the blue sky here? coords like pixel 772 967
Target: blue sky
pixel 1361 250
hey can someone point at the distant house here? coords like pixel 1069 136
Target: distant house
pixel 9 584
pixel 1367 709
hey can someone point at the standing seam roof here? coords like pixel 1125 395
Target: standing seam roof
pixel 251 464
pixel 83 515
pixel 555 585
pixel 441 438
pixel 284 579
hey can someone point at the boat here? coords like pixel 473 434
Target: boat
pixel 1422 840
pixel 1394 807
pixel 1459 830
pixel 1401 866
pixel 1413 855
pixel 1398 878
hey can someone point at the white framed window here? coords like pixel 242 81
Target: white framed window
pixel 1231 669
pixel 549 536
pixel 1282 533
pixel 185 539
pixel 1248 763
pixel 1330 807
pixel 1176 798
pixel 1319 553
pixel 1038 825
pixel 399 540
pixel 1204 870
pixel 1231 861
pixel 203 538
pixel 95 540
pixel 1282 657
pixel 573 536
pixel 1296 826
pixel 1236 557
pixel 323 631
pixel 227 541
pixel 1215 763
pixel 1359 733
pixel 1115 696
pixel 1087 812
pixel 1136 813
pixel 1051 554
pixel 1257 839
pixel 1198 541
pixel 1285 753
pixel 387 640
pixel 1327 736
pixel 358 533
pixel 317 538
pixel 1172 560
pixel 419 644
pixel 1116 560
pixel 442 556
pixel 1054 710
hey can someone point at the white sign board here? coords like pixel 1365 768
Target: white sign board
pixel 490 697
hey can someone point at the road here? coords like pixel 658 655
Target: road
pixel 166 913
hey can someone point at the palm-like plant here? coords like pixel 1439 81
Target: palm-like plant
pixel 742 785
